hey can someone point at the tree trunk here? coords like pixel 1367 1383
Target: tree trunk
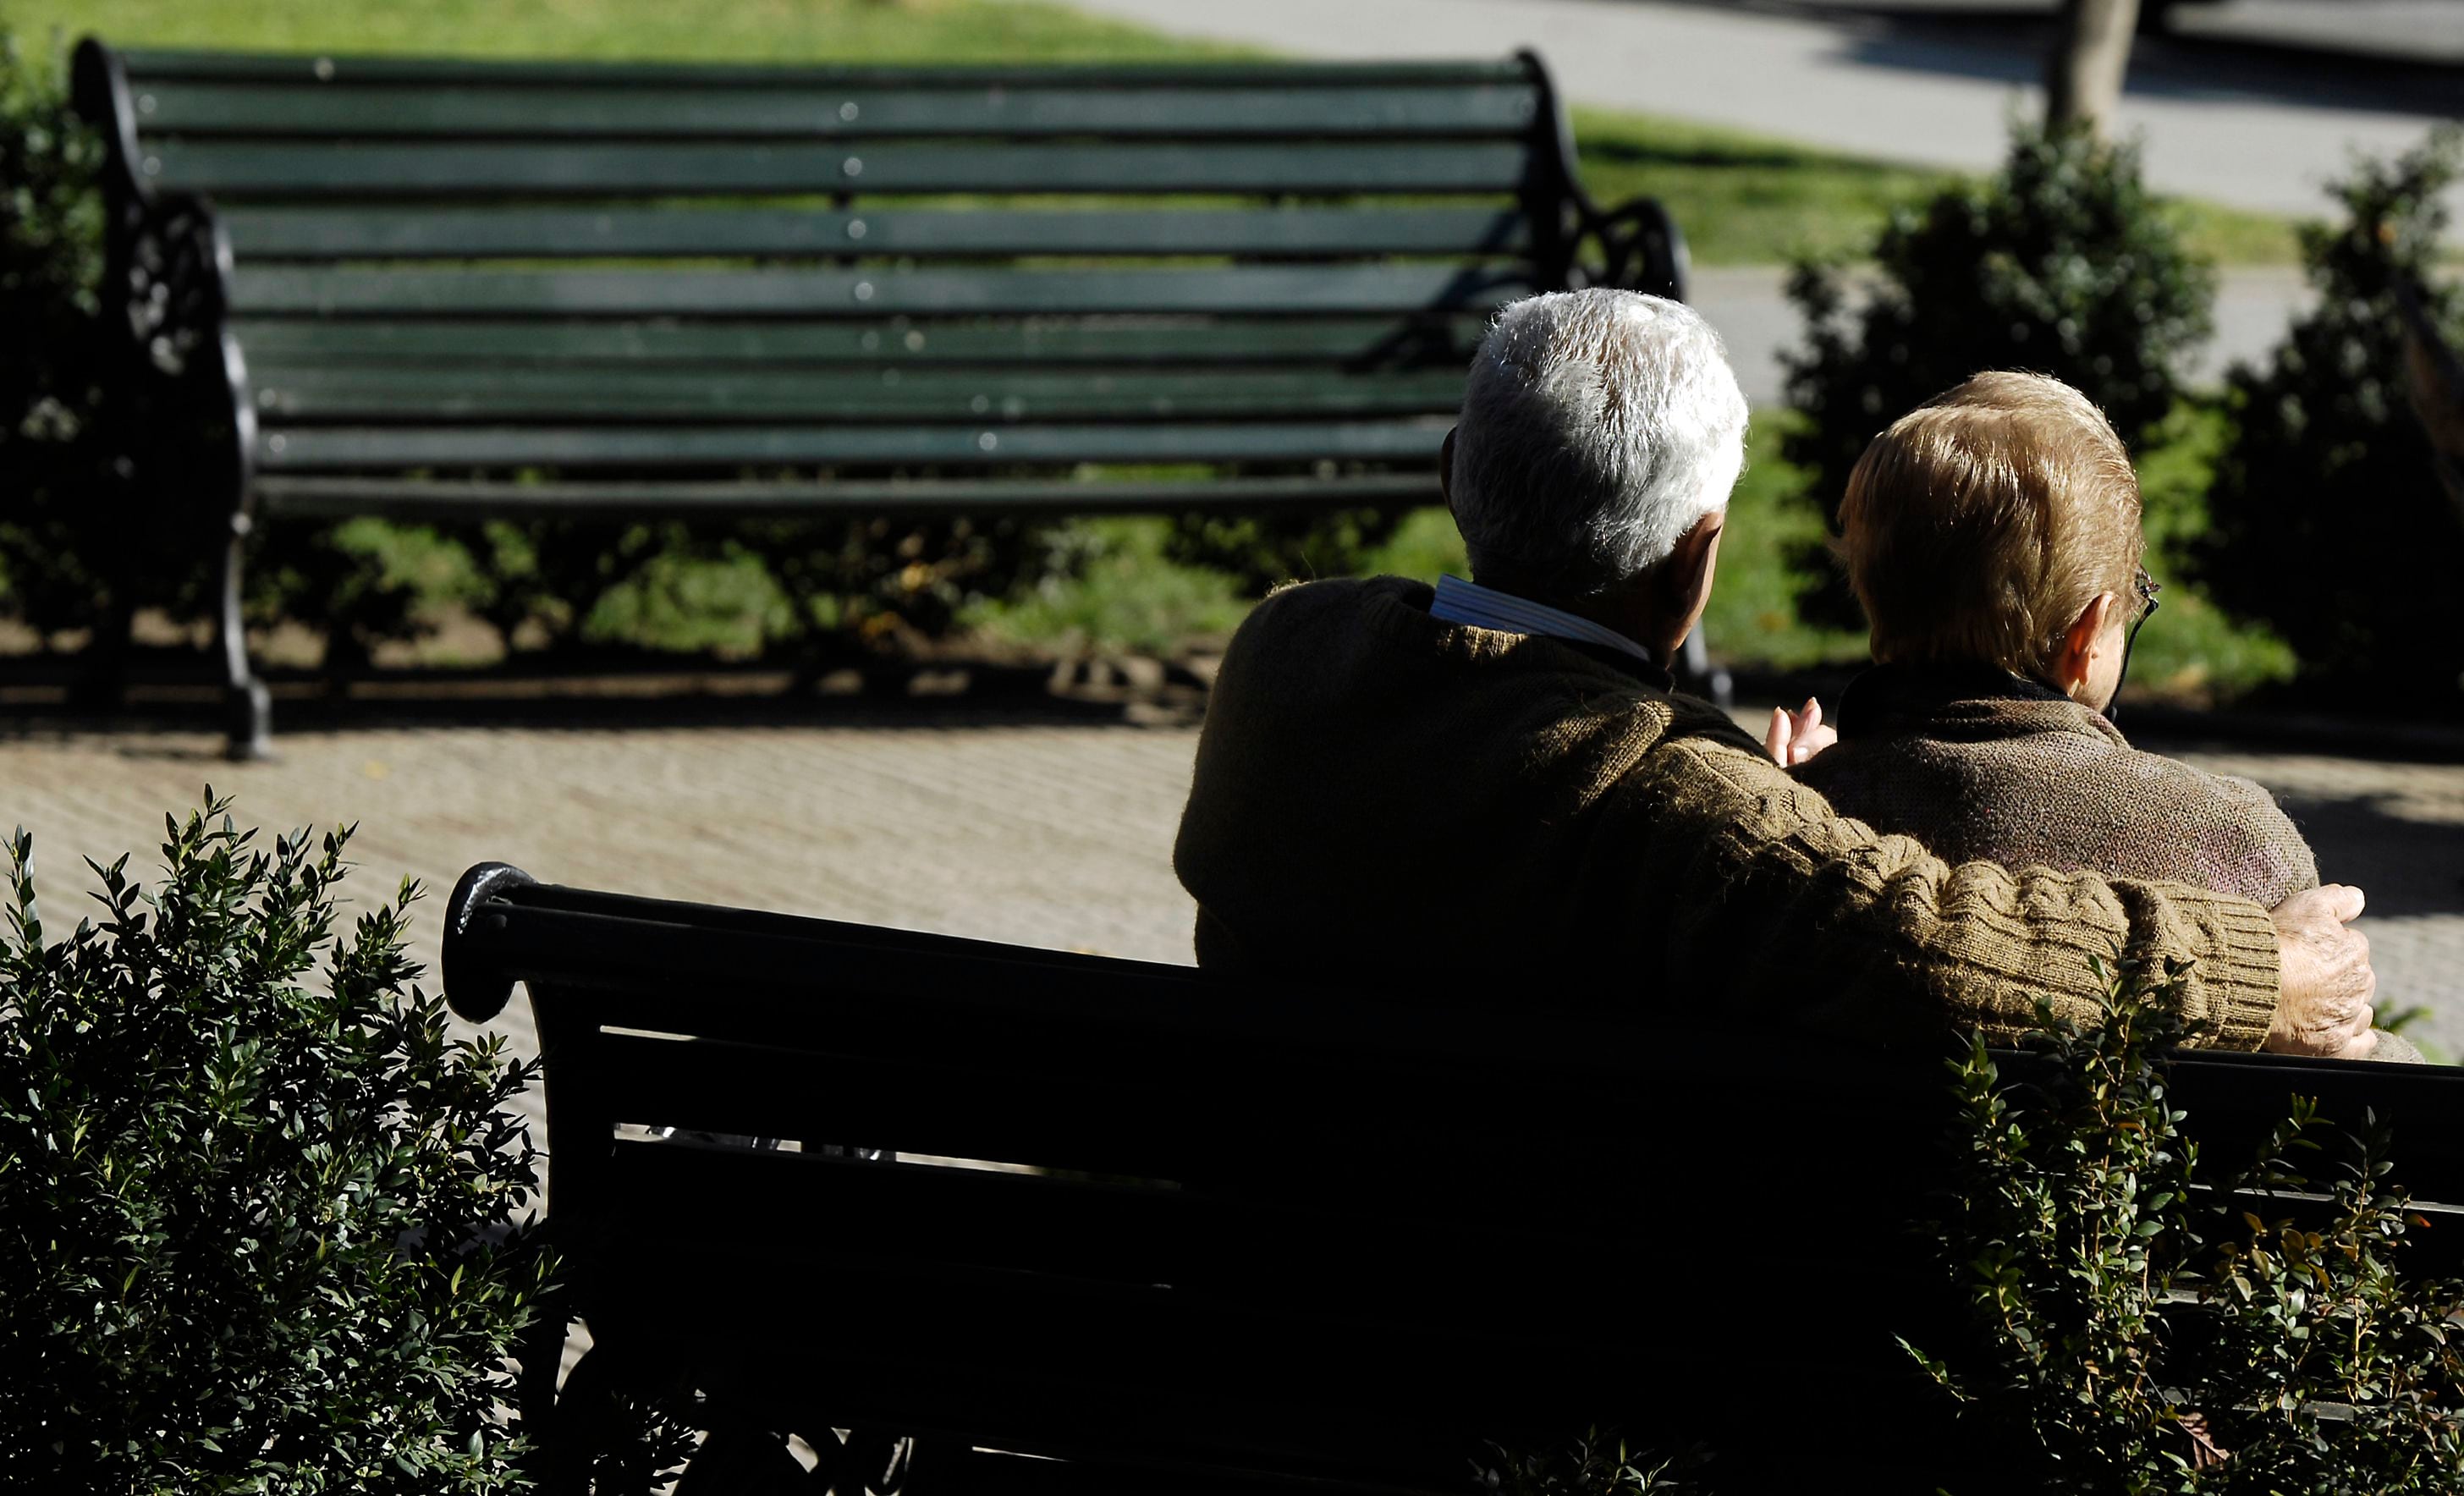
pixel 2091 51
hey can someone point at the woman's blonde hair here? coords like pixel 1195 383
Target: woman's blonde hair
pixel 1983 523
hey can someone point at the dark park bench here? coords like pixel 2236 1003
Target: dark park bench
pixel 448 290
pixel 1040 1221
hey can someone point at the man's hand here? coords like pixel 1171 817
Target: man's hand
pixel 1795 737
pixel 2323 1003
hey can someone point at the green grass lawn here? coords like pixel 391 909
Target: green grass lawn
pixel 1747 199
pixel 1741 198
pixel 665 30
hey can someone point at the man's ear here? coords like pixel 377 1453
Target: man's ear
pixel 1691 562
pixel 1682 582
pixel 2083 642
pixel 1446 468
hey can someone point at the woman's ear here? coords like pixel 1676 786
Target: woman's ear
pixel 2084 647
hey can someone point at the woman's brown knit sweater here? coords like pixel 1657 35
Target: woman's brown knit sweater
pixel 1387 795
pixel 1975 763
pixel 1978 763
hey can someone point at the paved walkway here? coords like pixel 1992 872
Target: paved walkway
pixel 1055 835
pixel 2249 129
pixel 2255 131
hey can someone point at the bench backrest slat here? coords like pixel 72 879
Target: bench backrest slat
pixel 391 172
pixel 863 112
pixel 653 447
pixel 1254 290
pixel 365 232
pixel 151 63
pixel 1442 341
pixel 397 395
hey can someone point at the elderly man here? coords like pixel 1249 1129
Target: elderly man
pixel 1495 784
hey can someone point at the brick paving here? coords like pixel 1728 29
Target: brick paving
pixel 975 823
pixel 2396 828
pixel 1034 834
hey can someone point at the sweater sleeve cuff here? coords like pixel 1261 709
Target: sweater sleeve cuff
pixel 2236 966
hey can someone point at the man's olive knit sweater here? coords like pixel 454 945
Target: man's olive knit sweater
pixel 1387 795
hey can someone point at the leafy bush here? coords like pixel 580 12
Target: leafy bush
pixel 2136 1335
pixel 740 587
pixel 1262 552
pixel 254 1236
pixel 51 342
pixel 2062 263
pixel 2329 523
pixel 1597 1464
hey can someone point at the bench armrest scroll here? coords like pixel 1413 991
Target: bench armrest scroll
pixel 1640 248
pixel 1637 244
pixel 476 987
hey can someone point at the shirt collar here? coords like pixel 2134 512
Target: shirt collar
pixel 1460 602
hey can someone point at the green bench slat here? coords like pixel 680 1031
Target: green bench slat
pixel 860 293
pixel 149 64
pixel 431 393
pixel 311 495
pixel 550 112
pixel 314 233
pixel 1443 340
pixel 328 171
pixel 662 446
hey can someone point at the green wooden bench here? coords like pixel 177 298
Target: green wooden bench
pixel 445 290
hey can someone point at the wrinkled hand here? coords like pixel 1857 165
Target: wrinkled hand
pixel 1795 737
pixel 2323 1004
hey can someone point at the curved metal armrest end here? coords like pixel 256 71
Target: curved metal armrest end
pixel 1642 248
pixel 475 988
pixel 99 95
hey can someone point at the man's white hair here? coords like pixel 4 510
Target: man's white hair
pixel 1598 427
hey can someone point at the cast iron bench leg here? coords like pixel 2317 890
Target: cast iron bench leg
pixel 103 684
pixel 1698 674
pixel 248 707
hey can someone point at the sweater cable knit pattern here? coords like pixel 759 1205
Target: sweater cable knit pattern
pixel 1388 797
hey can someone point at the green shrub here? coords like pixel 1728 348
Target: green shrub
pixel 50 344
pixel 1262 552
pixel 741 589
pixel 2134 1321
pixel 2329 523
pixel 2062 264
pixel 1597 1464
pixel 255 1235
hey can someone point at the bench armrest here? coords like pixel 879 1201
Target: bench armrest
pixel 1639 247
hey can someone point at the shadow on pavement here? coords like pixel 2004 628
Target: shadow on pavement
pixel 2006 44
pixel 37 697
pixel 2407 865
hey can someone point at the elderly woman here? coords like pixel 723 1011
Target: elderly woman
pixel 1992 536
pixel 1491 791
